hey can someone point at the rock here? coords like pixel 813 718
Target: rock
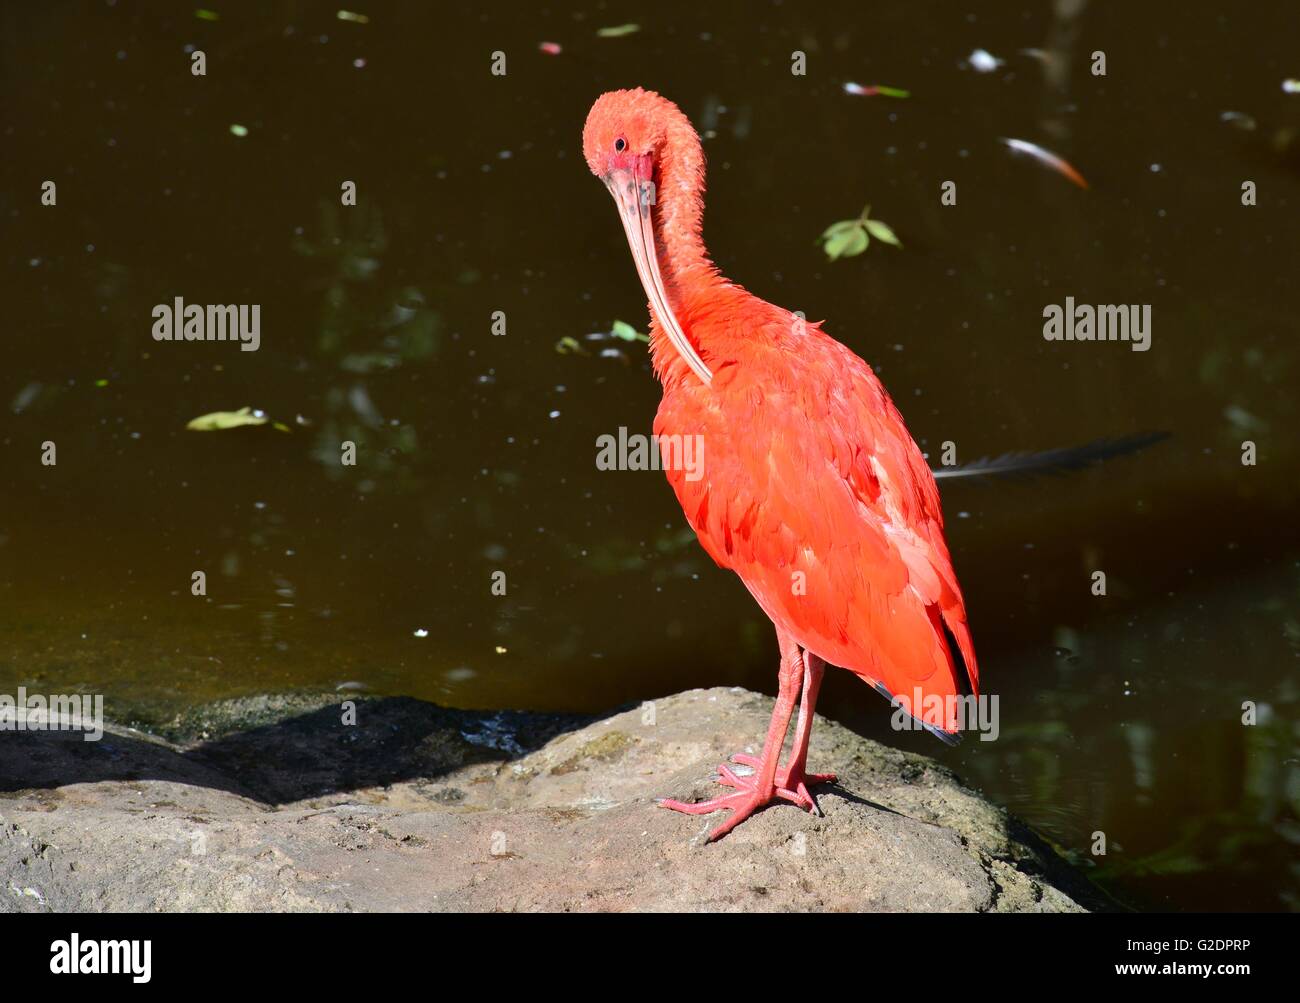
pixel 416 807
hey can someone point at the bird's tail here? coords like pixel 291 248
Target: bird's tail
pixel 1019 465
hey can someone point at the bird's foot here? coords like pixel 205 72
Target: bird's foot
pixel 791 785
pixel 742 804
pixel 748 798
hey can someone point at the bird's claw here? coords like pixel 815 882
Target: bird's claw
pixel 748 798
pixel 796 792
pixel 742 804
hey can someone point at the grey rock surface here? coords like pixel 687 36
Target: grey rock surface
pixel 415 807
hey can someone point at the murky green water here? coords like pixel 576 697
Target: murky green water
pixel 1119 715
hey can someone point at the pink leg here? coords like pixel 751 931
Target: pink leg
pixel 761 789
pixel 793 780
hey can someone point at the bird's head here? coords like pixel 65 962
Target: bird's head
pixel 649 157
pixel 628 129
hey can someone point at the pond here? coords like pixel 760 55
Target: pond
pixel 380 324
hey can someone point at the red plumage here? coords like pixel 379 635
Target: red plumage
pixel 815 494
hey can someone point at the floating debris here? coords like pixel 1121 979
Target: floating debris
pixel 26 396
pixel 218 421
pixel 1239 119
pixel 620 331
pixel 238 130
pixel 551 48
pixel 1291 85
pixel 347 15
pixel 982 61
pixel 618 31
pixel 207 15
pixel 626 332
pixel 419 632
pixel 1048 158
pixel 875 89
pixel 1243 419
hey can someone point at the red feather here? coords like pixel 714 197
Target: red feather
pixel 815 494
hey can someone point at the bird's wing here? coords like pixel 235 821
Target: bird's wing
pixel 814 493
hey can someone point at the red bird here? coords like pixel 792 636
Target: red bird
pixel 813 491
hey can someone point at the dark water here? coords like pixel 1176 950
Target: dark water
pixel 1120 714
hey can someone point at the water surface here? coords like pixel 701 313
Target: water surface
pixel 1120 714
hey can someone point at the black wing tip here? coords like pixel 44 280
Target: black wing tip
pixel 1020 465
pixel 949 738
pixel 952 739
pixel 1119 445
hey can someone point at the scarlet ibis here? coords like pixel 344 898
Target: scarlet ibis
pixel 813 491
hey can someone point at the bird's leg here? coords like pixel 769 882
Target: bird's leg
pixel 754 792
pixel 796 777
pixel 793 779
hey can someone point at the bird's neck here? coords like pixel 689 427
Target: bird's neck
pixel 691 280
pixel 684 262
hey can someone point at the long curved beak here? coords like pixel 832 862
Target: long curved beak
pixel 632 196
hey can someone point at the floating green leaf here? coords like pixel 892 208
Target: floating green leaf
pixel 846 243
pixel 842 227
pixel 220 420
pixel 238 130
pixel 207 15
pixel 850 237
pixel 347 15
pixel 618 31
pixel 622 329
pixel 881 231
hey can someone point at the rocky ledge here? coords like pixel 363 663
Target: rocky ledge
pixel 285 804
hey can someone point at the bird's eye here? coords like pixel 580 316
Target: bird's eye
pixel 620 145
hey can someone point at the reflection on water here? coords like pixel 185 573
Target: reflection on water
pixel 476 457
pixel 1197 809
